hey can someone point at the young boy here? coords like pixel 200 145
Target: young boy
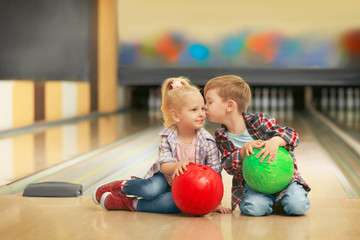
pixel 227 99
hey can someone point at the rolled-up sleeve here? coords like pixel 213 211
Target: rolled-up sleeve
pixel 212 156
pixel 165 153
pixel 230 160
pixel 272 129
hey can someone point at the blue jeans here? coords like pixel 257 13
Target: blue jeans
pixel 295 201
pixel 154 193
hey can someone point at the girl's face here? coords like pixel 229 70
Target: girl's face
pixel 215 106
pixel 192 111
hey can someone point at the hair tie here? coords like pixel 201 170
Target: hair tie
pixel 176 84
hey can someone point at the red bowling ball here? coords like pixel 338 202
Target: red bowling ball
pixel 198 191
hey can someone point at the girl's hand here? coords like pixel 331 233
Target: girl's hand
pixel 249 146
pixel 222 210
pixel 270 149
pixel 181 168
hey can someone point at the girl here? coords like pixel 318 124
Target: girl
pixel 182 141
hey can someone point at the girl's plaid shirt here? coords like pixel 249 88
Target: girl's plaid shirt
pixel 260 126
pixel 206 151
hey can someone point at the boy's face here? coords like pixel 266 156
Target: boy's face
pixel 215 106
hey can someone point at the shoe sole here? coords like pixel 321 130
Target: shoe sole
pixel 94 195
pixel 102 200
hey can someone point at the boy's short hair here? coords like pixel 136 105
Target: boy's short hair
pixel 231 87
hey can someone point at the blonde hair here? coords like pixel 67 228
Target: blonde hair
pixel 171 96
pixel 231 87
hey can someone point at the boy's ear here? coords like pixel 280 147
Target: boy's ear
pixel 231 106
pixel 174 116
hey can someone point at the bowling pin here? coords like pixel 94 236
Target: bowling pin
pixel 289 104
pixel 341 105
pixel 265 100
pixel 357 109
pixel 151 99
pixel 324 99
pixel 357 99
pixel 158 102
pixel 281 103
pixel 349 107
pixel 332 102
pixel 251 105
pixel 273 102
pixel 257 100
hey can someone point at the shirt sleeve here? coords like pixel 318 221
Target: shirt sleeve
pixel 272 129
pixel 230 160
pixel 212 156
pixel 165 153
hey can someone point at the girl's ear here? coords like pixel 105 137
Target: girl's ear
pixel 174 116
pixel 231 106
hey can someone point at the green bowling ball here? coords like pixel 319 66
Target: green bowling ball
pixel 270 177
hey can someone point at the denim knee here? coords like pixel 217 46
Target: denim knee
pixel 297 207
pixel 295 200
pixel 147 188
pixel 162 204
pixel 257 208
pixel 168 205
pixel 255 203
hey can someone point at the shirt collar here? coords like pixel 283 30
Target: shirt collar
pixel 247 117
pixel 172 135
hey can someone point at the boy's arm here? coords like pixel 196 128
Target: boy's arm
pixel 248 148
pixel 231 161
pixel 270 149
pixel 287 134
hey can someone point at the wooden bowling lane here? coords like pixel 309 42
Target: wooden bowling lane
pixel 342 148
pixel 29 150
pixel 131 155
pixel 333 215
pixel 79 218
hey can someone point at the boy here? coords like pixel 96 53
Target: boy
pixel 227 99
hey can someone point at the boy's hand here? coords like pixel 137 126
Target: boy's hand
pixel 222 210
pixel 249 146
pixel 270 149
pixel 181 168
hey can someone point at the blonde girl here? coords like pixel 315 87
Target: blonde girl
pixel 182 141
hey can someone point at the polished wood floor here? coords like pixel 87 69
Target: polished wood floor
pixel 32 149
pixel 333 214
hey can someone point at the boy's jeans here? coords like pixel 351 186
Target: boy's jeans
pixel 154 193
pixel 295 201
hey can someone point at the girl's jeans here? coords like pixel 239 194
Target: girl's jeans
pixel 295 201
pixel 154 193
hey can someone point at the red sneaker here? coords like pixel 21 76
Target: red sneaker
pixel 110 201
pixel 113 187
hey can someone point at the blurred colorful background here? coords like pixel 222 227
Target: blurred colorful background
pixel 237 33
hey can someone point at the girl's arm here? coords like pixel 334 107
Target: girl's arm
pixel 168 164
pixel 212 158
pixel 166 161
pixel 174 168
